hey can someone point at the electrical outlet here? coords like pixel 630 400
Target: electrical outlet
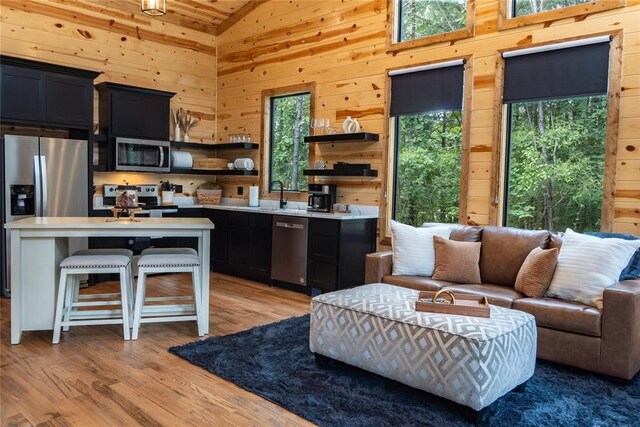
pixel 240 190
pixel 178 188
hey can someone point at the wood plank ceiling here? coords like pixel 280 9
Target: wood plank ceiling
pixel 209 16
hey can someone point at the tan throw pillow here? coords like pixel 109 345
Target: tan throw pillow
pixel 536 272
pixel 457 262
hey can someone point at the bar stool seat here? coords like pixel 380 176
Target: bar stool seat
pixel 158 251
pixel 68 300
pixel 170 260
pixel 105 251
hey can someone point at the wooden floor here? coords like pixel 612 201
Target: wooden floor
pixel 94 378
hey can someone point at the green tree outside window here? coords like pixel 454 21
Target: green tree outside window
pixel 427 177
pixel 422 18
pixel 289 154
pixel 556 155
pixel 528 7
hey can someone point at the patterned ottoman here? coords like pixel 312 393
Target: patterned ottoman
pixel 469 360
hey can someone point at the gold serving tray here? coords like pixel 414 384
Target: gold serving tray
pixel 463 305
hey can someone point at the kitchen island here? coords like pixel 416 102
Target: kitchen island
pixel 39 244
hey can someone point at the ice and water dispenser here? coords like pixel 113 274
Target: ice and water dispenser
pixel 22 200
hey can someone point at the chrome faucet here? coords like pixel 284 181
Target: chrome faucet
pixel 283 201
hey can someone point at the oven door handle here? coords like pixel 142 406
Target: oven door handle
pixel 161 156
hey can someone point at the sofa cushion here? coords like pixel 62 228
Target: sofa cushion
pixel 457 261
pixel 496 294
pixel 562 315
pixel 536 273
pixel 420 283
pixel 466 233
pixel 413 251
pixel 587 265
pixel 632 270
pixel 504 250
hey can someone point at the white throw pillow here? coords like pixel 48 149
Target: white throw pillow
pixel 413 251
pixel 587 265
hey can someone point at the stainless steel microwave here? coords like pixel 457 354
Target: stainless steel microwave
pixel 142 155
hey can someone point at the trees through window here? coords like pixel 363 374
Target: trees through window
pixel 555 163
pixel 289 156
pixel 421 18
pixel 427 173
pixel 528 7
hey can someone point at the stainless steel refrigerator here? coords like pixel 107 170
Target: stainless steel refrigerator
pixel 43 177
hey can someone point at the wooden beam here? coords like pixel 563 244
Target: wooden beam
pixel 241 13
pixel 613 127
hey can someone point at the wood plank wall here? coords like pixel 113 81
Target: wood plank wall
pixel 128 47
pixel 340 45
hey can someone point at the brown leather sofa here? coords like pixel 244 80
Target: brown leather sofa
pixel 606 341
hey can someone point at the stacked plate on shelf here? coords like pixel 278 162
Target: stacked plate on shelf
pixel 181 159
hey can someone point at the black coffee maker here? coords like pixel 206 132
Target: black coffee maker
pixel 321 197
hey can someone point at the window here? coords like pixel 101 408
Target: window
pixel 422 22
pixel 289 155
pixel 528 7
pixel 427 170
pixel 556 137
pixel 426 111
pixel 421 18
pixel 518 13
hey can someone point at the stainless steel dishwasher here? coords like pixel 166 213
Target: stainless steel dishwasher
pixel 289 249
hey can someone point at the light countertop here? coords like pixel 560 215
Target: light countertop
pixel 103 223
pixel 270 207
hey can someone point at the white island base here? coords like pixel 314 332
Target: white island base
pixel 38 245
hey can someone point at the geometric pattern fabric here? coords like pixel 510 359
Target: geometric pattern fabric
pixel 470 360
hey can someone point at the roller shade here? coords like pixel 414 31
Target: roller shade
pixel 562 73
pixel 436 89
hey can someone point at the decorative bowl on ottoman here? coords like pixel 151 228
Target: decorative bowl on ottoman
pixel 470 360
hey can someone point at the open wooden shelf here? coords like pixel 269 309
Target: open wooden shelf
pixel 223 146
pixel 185 171
pixel 341 172
pixel 342 137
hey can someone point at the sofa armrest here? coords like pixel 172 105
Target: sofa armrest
pixel 378 265
pixel 620 352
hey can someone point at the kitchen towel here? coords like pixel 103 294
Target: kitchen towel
pixel 254 196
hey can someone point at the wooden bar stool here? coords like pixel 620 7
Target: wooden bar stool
pixel 171 260
pixel 74 296
pixel 69 300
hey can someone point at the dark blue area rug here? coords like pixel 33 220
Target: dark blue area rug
pixel 274 361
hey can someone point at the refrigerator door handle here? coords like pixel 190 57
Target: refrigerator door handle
pixel 37 185
pixel 43 165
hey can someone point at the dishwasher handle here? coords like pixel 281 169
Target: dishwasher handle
pixel 289 225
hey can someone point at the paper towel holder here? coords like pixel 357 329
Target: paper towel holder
pixel 254 196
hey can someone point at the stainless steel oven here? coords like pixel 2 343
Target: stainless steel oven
pixel 142 155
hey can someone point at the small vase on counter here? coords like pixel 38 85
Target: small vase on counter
pixel 167 197
pixel 186 138
pixel 176 133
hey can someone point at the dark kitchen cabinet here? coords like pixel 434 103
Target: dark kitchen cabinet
pixel 219 240
pixel 134 112
pixel 23 94
pixel 189 242
pixel 241 244
pixel 249 246
pixel 37 93
pixel 337 252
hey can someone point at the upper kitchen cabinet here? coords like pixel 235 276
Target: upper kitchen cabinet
pixel 41 94
pixel 134 112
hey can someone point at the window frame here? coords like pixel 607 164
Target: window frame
pixel 506 21
pixel 265 146
pixel 393 27
pixel 390 154
pixel 497 213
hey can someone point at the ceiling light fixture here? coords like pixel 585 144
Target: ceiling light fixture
pixel 154 7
